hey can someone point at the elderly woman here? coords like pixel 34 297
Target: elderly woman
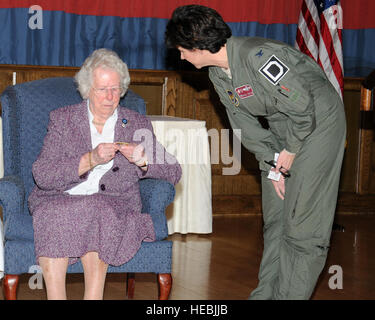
pixel 86 203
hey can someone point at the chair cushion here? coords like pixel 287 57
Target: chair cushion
pixel 156 257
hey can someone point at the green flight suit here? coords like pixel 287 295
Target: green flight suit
pixel 306 117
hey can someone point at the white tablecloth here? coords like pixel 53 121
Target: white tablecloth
pixel 1 222
pixel 187 140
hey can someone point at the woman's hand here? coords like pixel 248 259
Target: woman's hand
pixel 103 153
pixel 284 161
pixel 135 153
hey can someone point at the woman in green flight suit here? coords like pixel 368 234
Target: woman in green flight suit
pixel 307 128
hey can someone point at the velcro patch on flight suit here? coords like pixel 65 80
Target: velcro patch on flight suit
pixel 288 93
pixel 274 70
pixel 245 91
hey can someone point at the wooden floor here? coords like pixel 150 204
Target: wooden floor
pixel 224 264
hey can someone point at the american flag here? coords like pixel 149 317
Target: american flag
pixel 319 35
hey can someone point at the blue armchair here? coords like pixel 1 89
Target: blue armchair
pixel 25 114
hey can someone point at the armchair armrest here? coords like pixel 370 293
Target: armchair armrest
pixel 12 195
pixel 156 195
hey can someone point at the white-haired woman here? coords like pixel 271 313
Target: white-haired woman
pixel 86 204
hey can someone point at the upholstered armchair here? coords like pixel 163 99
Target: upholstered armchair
pixel 25 114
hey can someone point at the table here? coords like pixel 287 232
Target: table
pixel 187 140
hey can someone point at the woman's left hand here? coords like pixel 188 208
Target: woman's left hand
pixel 135 153
pixel 279 187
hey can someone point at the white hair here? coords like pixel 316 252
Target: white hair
pixel 103 58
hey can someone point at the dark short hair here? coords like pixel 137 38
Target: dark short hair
pixel 197 27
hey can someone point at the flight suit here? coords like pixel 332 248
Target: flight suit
pixel 305 116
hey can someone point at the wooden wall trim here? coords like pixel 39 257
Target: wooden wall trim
pixel 352 83
pixel 366 145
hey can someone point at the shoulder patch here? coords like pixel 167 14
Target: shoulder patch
pixel 274 70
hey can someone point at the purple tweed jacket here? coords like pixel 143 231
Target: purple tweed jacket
pixel 68 138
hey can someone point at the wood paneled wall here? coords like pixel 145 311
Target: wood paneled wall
pixel 191 95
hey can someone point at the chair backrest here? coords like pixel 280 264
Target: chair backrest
pixel 25 115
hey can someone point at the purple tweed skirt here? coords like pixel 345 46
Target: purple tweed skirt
pixel 69 226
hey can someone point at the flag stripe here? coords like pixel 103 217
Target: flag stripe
pixel 310 22
pixel 336 38
pixel 302 45
pixel 333 59
pixel 320 37
pixel 314 20
pixel 307 39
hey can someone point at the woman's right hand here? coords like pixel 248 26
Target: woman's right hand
pixel 103 153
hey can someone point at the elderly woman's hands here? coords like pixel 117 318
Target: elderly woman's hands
pixel 135 153
pixel 103 153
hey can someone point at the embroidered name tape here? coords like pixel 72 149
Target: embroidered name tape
pixel 245 91
pixel 274 70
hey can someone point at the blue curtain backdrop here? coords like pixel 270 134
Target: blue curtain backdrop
pixel 66 39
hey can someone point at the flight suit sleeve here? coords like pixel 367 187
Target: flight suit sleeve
pixel 254 137
pixel 281 71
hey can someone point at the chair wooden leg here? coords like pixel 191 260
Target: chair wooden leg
pixel 130 285
pixel 165 285
pixel 10 283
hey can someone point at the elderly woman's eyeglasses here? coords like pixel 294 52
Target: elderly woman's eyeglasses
pixel 104 91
